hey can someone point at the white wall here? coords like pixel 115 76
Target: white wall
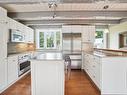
pixel 114 34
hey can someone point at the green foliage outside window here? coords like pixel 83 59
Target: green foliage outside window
pixel 99 34
pixel 50 39
pixel 57 38
pixel 41 39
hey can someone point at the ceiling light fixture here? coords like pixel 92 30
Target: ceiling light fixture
pixel 54 6
pixel 106 7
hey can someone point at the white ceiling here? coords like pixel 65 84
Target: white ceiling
pixel 66 7
pixel 37 12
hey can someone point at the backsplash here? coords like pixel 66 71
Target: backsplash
pixel 20 47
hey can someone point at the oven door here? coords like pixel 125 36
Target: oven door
pixel 24 67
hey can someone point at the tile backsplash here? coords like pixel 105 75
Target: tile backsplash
pixel 20 47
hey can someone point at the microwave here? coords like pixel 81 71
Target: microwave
pixel 17 36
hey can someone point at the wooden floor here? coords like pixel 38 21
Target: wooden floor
pixel 79 84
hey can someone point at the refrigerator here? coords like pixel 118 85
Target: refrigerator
pixel 72 48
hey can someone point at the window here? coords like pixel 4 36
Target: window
pixel 48 39
pixel 101 38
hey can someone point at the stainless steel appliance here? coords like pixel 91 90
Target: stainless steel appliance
pixel 72 48
pixel 23 64
pixel 16 36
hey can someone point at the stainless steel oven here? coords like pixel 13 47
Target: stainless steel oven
pixel 23 64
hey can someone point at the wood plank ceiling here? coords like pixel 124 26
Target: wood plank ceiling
pixel 37 12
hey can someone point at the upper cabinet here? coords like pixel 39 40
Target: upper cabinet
pixel 72 29
pixel 66 29
pixel 3 49
pixel 19 32
pixel 76 29
pixel 88 34
pixel 3 15
pixel 29 37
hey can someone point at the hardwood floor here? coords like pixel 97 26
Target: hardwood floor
pixel 79 84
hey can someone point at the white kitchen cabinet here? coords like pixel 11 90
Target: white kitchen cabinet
pixel 3 41
pixel 114 76
pixel 12 23
pixel 72 29
pixel 108 73
pixel 47 77
pixel 3 15
pixel 12 69
pixel 3 49
pixel 66 29
pixel 3 74
pixel 88 34
pixel 76 29
pixel 29 37
pixel 26 32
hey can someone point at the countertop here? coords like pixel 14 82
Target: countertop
pixel 49 56
pixel 101 54
pixel 21 53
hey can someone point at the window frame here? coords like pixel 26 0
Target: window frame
pixel 45 31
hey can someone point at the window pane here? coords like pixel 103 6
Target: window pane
pixel 41 34
pixel 99 34
pixel 58 39
pixel 50 39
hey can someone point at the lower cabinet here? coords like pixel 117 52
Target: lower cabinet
pixel 3 74
pixel 12 69
pixel 92 67
pixel 108 73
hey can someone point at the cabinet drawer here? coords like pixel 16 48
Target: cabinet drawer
pixel 96 59
pixel 75 56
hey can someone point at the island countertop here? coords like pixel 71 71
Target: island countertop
pixel 49 56
pixel 103 55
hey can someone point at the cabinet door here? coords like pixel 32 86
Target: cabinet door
pixel 85 34
pixel 76 29
pixel 12 24
pixel 12 69
pixel 29 37
pixel 3 41
pixel 88 34
pixel 66 29
pixel 3 74
pixel 3 15
pixel 91 34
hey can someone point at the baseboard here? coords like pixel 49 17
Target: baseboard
pixel 93 84
pixel 9 85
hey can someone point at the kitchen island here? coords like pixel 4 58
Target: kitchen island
pixel 47 74
pixel 108 71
